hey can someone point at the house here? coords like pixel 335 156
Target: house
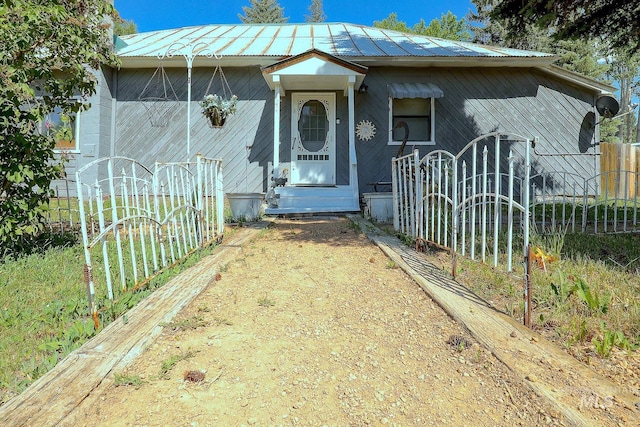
pixel 318 103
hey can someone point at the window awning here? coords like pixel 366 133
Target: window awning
pixel 415 90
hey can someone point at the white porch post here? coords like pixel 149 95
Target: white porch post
pixel 276 127
pixel 353 161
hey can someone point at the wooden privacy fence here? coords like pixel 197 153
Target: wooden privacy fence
pixel 619 167
pixel 136 221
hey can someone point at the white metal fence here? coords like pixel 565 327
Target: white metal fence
pixel 63 215
pixel 482 201
pixel 464 202
pixel 604 203
pixel 137 221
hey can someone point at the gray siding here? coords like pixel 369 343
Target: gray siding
pixel 95 128
pixel 476 101
pixel 244 143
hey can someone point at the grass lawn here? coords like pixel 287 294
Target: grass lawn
pixel 44 312
pixel 588 298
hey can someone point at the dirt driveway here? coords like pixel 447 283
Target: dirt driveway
pixel 313 325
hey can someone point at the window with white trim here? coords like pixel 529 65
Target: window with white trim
pixel 64 128
pixel 415 105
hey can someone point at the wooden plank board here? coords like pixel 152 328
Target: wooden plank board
pixel 540 363
pixel 54 396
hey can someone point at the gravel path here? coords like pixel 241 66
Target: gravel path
pixel 313 325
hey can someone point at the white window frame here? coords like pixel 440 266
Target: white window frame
pixel 432 132
pixel 76 130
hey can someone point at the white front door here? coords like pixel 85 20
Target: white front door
pixel 313 136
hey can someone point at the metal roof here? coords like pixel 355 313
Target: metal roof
pixel 266 43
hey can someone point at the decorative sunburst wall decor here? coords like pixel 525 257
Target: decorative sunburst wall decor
pixel 365 130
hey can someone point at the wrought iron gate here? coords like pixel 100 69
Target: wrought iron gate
pixel 469 202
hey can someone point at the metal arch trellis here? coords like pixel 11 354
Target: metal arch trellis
pixel 159 98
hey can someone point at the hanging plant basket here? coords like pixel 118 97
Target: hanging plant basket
pixel 215 116
pixel 216 119
pixel 217 108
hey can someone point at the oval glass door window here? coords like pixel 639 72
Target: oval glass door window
pixel 313 126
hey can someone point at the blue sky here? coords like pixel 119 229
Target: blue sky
pixel 152 15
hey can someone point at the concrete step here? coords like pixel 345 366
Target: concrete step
pixel 314 199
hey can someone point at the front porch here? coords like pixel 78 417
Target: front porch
pixel 307 176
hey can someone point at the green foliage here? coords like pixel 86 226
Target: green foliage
pixel 48 55
pixel 619 251
pixel 489 30
pixel 447 27
pixel 120 380
pixel 44 314
pixel 624 68
pixel 391 23
pixel 562 287
pixel 580 56
pixel 263 12
pixel 591 299
pixel 123 27
pixel 39 244
pixel 266 302
pixel 582 37
pixel 617 21
pixel 611 339
pixel 170 363
pixel 193 322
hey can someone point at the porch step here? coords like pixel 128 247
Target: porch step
pixel 314 199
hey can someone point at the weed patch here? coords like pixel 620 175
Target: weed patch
pixel 266 302
pixel 120 380
pixel 193 322
pixel 170 363
pixel 591 281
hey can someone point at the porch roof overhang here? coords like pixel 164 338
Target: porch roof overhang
pixel 313 70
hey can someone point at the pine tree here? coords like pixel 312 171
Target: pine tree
pixel 447 27
pixel 582 54
pixel 617 21
pixel 490 31
pixel 263 12
pixel 391 22
pixel 316 13
pixel 123 27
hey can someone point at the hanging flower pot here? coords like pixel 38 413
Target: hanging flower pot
pixel 216 118
pixel 217 109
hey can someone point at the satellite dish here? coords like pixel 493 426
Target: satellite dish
pixel 607 106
